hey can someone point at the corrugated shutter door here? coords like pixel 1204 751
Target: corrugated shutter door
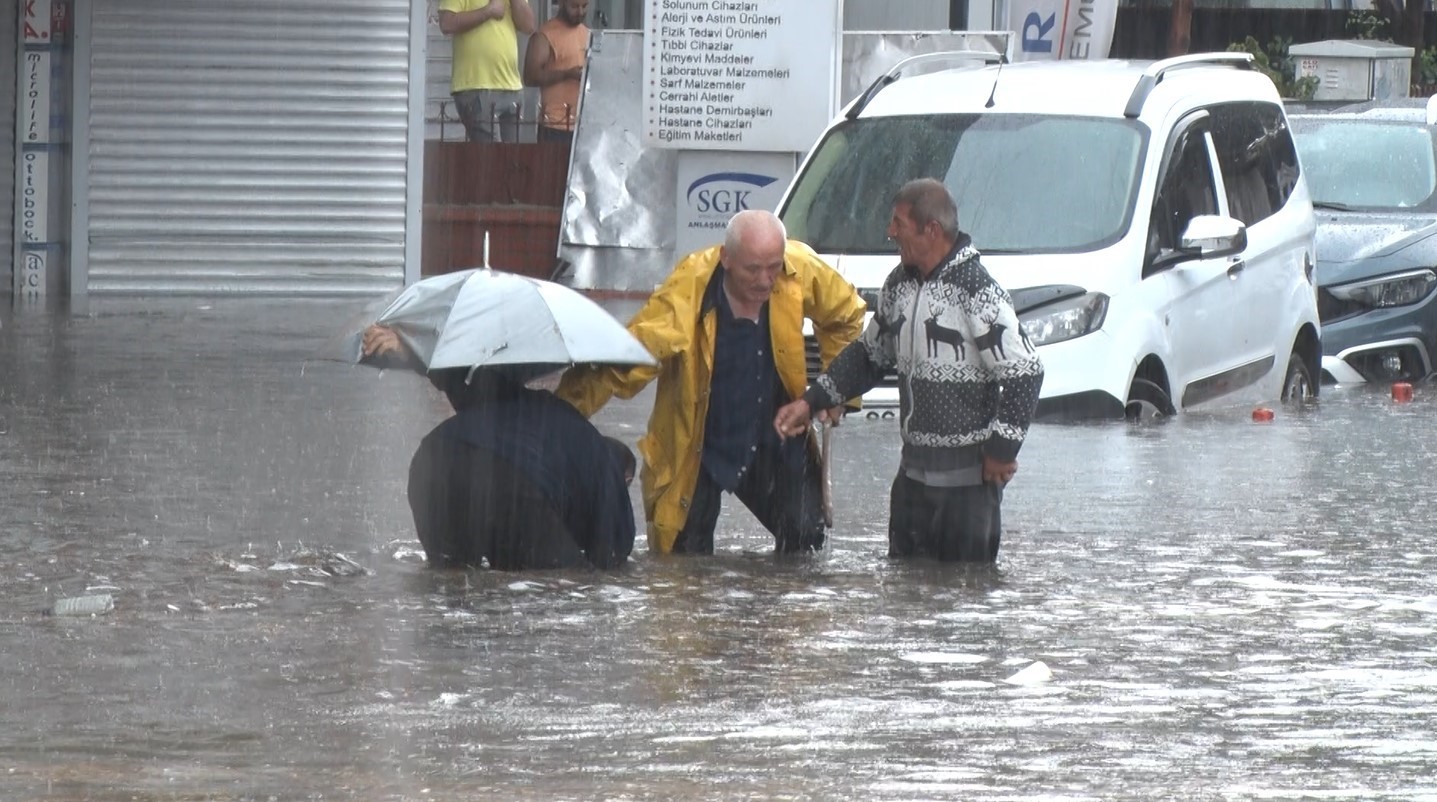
pixel 10 35
pixel 248 145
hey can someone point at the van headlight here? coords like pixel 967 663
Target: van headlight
pixel 1066 319
pixel 1399 289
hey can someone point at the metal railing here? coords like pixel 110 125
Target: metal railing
pixel 516 124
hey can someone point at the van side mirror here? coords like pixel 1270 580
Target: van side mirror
pixel 1211 235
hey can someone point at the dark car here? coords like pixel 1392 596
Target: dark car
pixel 1372 171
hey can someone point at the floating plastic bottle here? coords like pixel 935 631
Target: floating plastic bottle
pixel 98 604
pixel 1036 673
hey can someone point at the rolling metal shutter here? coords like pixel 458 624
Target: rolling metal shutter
pixel 247 145
pixel 10 35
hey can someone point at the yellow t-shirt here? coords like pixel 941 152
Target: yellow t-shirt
pixel 486 57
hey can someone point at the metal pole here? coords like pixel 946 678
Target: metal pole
pixel 958 15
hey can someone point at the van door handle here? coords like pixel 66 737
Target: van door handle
pixel 1235 268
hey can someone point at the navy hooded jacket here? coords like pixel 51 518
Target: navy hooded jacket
pixel 561 453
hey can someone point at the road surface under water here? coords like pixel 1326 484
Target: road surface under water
pixel 1228 610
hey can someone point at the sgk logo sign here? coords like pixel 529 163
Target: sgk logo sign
pixel 724 193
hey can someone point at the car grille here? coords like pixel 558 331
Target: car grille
pixel 815 363
pixel 1330 307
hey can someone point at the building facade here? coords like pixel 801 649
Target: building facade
pixel 247 146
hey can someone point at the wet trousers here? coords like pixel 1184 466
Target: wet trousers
pixel 470 506
pixel 785 497
pixel 953 524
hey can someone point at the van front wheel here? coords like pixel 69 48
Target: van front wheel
pixel 1147 401
pixel 1297 386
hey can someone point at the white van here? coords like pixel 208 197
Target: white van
pixel 1150 219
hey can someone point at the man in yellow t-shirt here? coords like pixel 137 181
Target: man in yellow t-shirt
pixel 485 79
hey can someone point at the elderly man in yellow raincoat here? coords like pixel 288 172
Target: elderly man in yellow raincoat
pixel 727 331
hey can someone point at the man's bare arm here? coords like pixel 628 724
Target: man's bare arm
pixel 536 60
pixel 538 64
pixel 524 20
pixel 456 22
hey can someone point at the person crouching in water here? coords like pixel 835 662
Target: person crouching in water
pixel 517 479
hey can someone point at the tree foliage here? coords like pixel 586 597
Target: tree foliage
pixel 1275 62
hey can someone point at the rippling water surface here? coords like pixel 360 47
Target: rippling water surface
pixel 1227 610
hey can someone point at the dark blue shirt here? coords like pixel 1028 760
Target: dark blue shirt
pixel 565 457
pixel 743 394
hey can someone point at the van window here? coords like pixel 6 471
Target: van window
pixel 1023 183
pixel 1257 157
pixel 1187 190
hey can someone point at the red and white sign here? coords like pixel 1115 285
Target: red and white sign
pixel 36 36
pixel 36 24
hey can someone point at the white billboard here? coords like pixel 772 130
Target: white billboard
pixel 738 74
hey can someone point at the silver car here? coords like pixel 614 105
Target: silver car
pixel 1372 172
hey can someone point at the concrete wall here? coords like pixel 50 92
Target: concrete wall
pixel 895 15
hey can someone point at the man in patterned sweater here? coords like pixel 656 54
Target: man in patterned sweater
pixel 968 383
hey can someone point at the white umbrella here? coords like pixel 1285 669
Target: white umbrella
pixel 490 318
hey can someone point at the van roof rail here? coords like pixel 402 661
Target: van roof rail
pixel 1155 72
pixel 896 71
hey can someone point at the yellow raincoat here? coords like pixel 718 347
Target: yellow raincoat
pixel 670 327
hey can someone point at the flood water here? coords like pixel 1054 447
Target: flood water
pixel 1229 610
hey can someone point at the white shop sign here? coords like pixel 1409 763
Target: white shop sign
pixel 35 97
pixel 34 197
pixel 30 284
pixel 754 75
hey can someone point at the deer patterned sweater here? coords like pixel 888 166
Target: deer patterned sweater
pixel 968 378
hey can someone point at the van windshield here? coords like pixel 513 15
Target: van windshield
pixel 1024 183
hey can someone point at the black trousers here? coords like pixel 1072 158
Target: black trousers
pixel 471 506
pixel 784 495
pixel 955 524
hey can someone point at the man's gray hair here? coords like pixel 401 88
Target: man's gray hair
pixel 750 221
pixel 929 201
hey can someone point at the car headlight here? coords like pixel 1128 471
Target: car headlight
pixel 1066 319
pixel 1399 289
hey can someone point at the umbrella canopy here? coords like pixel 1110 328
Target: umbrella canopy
pixel 489 318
